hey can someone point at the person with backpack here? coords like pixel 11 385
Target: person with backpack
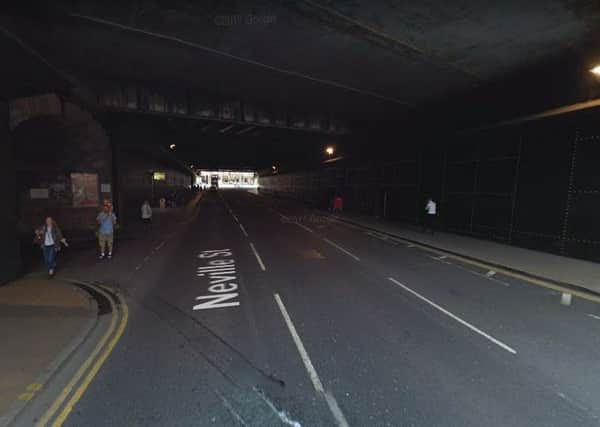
pixel 50 238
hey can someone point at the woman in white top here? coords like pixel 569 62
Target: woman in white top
pixel 49 237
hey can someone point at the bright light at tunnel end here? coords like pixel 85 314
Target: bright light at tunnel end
pixel 596 70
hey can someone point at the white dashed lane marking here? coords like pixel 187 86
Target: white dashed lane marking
pixel 455 317
pixel 338 247
pixel 312 372
pixel 258 258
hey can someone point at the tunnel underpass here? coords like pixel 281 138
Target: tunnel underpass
pixel 312 213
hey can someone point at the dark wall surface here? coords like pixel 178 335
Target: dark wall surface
pixel 9 249
pixel 535 184
pixel 139 149
pixel 137 165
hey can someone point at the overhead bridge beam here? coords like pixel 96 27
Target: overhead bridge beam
pixel 197 46
pixel 565 109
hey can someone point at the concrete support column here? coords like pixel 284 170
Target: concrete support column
pixel 9 244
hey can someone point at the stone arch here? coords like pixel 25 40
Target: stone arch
pixel 52 154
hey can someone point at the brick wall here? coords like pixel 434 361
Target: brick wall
pixel 52 152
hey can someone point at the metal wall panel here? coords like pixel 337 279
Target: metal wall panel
pixel 535 185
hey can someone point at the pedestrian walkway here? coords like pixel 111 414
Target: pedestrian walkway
pixel 570 271
pixel 41 320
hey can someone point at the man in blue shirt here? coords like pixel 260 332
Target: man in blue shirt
pixel 106 221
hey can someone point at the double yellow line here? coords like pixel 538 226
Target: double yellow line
pixel 515 275
pixel 59 411
pixel 483 265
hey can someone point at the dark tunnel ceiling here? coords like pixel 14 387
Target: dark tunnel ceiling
pixel 398 56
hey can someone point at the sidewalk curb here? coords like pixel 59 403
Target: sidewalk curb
pixel 49 371
pixel 566 285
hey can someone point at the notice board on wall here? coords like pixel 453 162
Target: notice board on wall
pixel 38 193
pixel 85 190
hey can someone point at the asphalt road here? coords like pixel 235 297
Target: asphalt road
pixel 260 312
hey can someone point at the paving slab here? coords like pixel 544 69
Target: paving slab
pixel 39 319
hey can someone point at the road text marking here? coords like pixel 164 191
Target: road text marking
pixel 222 276
pixel 458 319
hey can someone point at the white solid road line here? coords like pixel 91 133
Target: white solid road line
pixel 258 258
pixel 335 245
pixel 335 410
pixel 593 316
pixel 490 275
pixel 229 407
pixel 458 319
pixel 312 372
pixel 304 227
pixel 342 223
pixel 284 217
pixel 243 229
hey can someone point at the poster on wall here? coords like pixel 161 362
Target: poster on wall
pixel 38 193
pixel 85 190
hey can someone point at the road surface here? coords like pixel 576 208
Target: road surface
pixel 260 312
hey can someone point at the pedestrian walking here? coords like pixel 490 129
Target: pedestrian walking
pixel 106 228
pixel 338 203
pixel 50 238
pixel 430 216
pixel 146 212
